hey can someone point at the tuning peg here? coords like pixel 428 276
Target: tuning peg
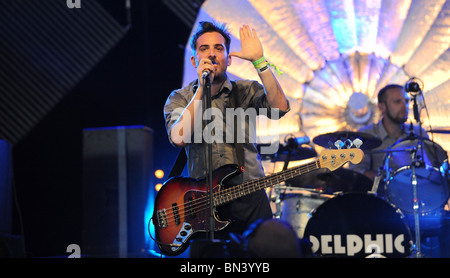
pixel 357 142
pixel 330 144
pixel 348 143
pixel 339 144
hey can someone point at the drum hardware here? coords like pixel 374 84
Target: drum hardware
pixel 296 206
pixel 277 200
pixel 417 166
pixel 415 90
pixel 416 206
pixel 440 130
pixel 393 151
pixel 376 183
pixel 292 150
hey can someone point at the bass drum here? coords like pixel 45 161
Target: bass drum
pixel 358 225
pixel 432 185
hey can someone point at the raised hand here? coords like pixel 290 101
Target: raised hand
pixel 251 47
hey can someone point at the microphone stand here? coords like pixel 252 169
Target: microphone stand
pixel 414 164
pixel 208 149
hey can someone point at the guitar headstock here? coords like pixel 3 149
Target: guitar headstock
pixel 335 158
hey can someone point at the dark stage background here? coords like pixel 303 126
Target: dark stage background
pixel 127 87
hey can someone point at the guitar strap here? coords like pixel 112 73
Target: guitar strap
pixel 179 164
pixel 238 146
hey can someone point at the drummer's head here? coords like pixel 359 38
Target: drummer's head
pixel 393 103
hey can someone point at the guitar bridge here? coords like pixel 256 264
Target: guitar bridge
pixel 162 218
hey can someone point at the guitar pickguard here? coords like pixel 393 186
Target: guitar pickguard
pixel 199 210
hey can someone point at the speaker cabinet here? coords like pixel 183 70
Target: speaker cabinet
pixel 5 188
pixel 117 172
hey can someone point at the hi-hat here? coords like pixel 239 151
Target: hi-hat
pixel 328 140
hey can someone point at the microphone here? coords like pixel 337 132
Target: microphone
pixel 413 87
pixel 206 73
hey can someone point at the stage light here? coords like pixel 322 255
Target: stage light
pixel 158 186
pixel 159 174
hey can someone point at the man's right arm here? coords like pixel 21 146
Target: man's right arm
pixel 180 117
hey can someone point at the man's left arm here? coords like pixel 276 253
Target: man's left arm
pixel 274 92
pixel 252 50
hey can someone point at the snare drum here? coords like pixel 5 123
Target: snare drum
pixel 358 225
pixel 432 185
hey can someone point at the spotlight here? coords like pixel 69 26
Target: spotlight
pixel 158 186
pixel 159 174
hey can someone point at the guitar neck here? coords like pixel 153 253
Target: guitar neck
pixel 246 188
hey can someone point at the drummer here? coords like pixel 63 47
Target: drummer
pixel 393 104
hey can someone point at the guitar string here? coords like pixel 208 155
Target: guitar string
pixel 202 203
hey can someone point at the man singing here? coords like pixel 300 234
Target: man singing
pixel 211 54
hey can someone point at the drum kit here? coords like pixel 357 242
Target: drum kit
pixel 343 213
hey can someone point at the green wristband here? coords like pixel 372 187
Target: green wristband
pixel 259 61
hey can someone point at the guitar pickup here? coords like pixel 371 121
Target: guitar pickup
pixel 176 214
pixel 162 218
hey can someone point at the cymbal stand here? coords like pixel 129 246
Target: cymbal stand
pixel 277 188
pixel 414 164
pixel 277 200
pixel 416 206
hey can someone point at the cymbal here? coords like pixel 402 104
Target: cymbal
pixel 346 180
pixel 440 130
pixel 296 154
pixel 327 140
pixel 299 153
pixel 340 180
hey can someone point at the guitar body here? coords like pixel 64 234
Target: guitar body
pixel 182 209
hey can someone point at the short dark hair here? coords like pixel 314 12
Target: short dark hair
pixel 382 93
pixel 207 27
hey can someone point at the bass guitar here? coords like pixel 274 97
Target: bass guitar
pixel 182 204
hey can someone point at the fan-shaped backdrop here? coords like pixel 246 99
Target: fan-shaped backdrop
pixel 337 54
